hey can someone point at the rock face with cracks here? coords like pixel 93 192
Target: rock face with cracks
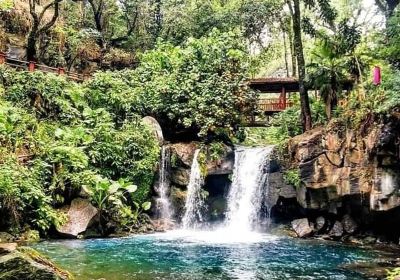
pixel 335 162
pixel 350 177
pixel 80 214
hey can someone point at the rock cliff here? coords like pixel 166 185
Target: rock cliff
pixel 353 172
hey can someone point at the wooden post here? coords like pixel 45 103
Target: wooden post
pixel 61 71
pixel 284 98
pixel 31 66
pixel 2 58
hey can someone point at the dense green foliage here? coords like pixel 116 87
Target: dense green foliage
pixel 199 86
pixel 53 142
pixel 391 49
pixel 292 177
pixel 284 125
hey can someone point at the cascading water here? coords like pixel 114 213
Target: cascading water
pixel 194 201
pixel 249 190
pixel 163 202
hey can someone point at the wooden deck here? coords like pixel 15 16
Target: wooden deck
pixel 274 104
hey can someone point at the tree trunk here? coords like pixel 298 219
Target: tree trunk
pixel 285 54
pixel 292 54
pixel 31 45
pixel 298 46
pixel 290 36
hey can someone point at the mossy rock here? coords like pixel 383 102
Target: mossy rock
pixel 30 236
pixel 6 237
pixel 28 264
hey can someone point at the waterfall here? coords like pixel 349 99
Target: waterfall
pixel 194 200
pixel 163 202
pixel 249 190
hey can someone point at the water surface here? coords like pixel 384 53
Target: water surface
pixel 181 255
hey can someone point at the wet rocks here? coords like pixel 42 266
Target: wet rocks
pixel 320 224
pixel 349 225
pixel 335 162
pixel 347 172
pixel 162 225
pixel 6 237
pixel 337 230
pixel 180 176
pixel 80 214
pixel 302 227
pixel 27 264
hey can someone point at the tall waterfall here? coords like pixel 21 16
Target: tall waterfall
pixel 194 200
pixel 163 202
pixel 249 189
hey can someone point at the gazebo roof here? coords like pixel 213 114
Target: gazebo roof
pixel 275 85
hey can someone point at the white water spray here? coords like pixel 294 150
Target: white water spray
pixel 194 201
pixel 163 202
pixel 249 189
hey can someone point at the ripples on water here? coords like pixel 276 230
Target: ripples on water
pixel 181 255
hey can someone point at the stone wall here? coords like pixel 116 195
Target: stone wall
pixel 345 171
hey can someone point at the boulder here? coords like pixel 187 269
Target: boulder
pixel 302 227
pixel 320 224
pixel 6 248
pixel 349 225
pixel 337 230
pixel 6 237
pixel 80 214
pixel 29 265
pixel 155 127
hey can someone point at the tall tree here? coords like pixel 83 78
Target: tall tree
pixel 39 24
pixel 104 12
pixel 306 119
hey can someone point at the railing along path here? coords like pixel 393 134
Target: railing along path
pixel 32 66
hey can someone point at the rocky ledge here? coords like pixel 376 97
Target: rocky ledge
pixel 26 263
pixel 349 179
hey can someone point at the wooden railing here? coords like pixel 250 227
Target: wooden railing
pixel 274 104
pixel 32 66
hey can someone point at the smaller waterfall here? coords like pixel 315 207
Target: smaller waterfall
pixel 163 202
pixel 194 200
pixel 249 190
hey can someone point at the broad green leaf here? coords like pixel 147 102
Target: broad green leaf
pixel 146 205
pixel 131 188
pixel 114 188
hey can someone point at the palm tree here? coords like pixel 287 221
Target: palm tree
pixel 327 72
pixel 333 63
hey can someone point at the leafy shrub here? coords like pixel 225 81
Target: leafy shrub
pixel 380 100
pixel 292 177
pixel 393 274
pixel 22 198
pixel 62 143
pixel 110 198
pixel 46 95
